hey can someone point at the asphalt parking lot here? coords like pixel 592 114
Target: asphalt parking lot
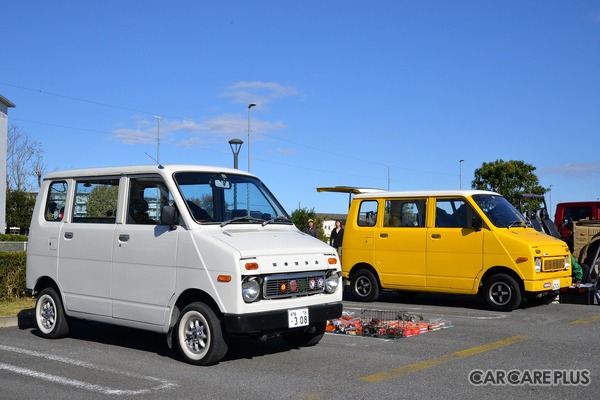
pixel 549 351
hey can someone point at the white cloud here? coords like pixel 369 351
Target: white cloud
pixel 258 92
pixel 192 133
pixel 575 170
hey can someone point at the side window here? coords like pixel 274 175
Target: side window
pixel 96 201
pixel 453 213
pixel 404 213
pixel 147 196
pixel 367 213
pixel 57 199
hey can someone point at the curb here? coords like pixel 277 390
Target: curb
pixel 25 319
pixel 7 322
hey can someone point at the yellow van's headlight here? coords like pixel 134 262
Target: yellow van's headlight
pixel 538 264
pixel 567 262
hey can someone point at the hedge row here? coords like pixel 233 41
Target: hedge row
pixel 12 274
pixel 12 238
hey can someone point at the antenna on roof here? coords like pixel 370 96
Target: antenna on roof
pixel 153 159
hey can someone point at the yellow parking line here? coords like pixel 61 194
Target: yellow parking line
pixel 585 320
pixel 406 369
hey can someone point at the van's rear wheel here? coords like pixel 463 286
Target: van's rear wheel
pixel 365 286
pixel 199 335
pixel 502 293
pixel 50 315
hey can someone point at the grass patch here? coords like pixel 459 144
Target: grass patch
pixel 11 308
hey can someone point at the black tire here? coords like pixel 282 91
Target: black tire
pixel 50 315
pixel 307 338
pixel 365 286
pixel 502 293
pixel 199 336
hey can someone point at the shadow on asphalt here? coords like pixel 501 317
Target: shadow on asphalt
pixel 240 348
pixel 473 302
pixel 152 342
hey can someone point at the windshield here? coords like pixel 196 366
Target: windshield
pixel 499 211
pixel 223 198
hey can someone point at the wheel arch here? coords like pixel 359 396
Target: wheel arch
pixel 500 270
pixel 44 282
pixel 189 296
pixel 361 266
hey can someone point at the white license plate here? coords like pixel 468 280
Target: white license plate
pixel 556 284
pixel 298 317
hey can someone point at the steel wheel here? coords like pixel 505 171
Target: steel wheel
pixel 50 316
pixel 199 335
pixel 365 286
pixel 502 293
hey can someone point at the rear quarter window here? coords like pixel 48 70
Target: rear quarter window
pixel 56 201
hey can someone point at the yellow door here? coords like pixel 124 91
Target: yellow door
pixel 454 247
pixel 400 244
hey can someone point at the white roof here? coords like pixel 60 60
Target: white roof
pixel 140 169
pixel 424 193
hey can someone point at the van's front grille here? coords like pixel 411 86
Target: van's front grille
pixel 556 264
pixel 292 285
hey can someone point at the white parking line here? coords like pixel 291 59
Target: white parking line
pixel 161 384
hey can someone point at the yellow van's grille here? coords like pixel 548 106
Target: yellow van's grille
pixel 553 265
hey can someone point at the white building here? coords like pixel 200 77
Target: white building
pixel 5 104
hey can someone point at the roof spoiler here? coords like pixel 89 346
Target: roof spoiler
pixel 351 190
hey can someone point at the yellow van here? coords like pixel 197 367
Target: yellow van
pixel 460 241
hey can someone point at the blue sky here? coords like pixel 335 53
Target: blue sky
pixel 361 93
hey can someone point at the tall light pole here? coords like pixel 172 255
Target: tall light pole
pixel 460 174
pixel 236 145
pixel 550 190
pixel 249 107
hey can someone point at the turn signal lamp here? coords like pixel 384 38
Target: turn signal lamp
pixel 251 266
pixel 521 259
pixel 224 278
pixel 332 261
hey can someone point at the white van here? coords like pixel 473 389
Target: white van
pixel 199 253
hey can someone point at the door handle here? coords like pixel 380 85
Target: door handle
pixel 68 235
pixel 123 237
pixel 383 235
pixel 436 235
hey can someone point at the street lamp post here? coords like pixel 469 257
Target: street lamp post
pixel 249 107
pixel 550 190
pixel 460 174
pixel 236 145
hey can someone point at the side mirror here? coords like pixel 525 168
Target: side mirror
pixel 477 222
pixel 169 216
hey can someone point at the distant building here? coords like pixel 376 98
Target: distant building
pixel 5 104
pixel 329 222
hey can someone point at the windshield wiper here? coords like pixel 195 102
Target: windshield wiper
pixel 515 223
pixel 277 219
pixel 248 218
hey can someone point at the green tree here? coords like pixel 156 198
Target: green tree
pixel 102 201
pixel 19 209
pixel 301 216
pixel 509 178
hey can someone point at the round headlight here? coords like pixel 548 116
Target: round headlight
pixel 332 282
pixel 250 290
